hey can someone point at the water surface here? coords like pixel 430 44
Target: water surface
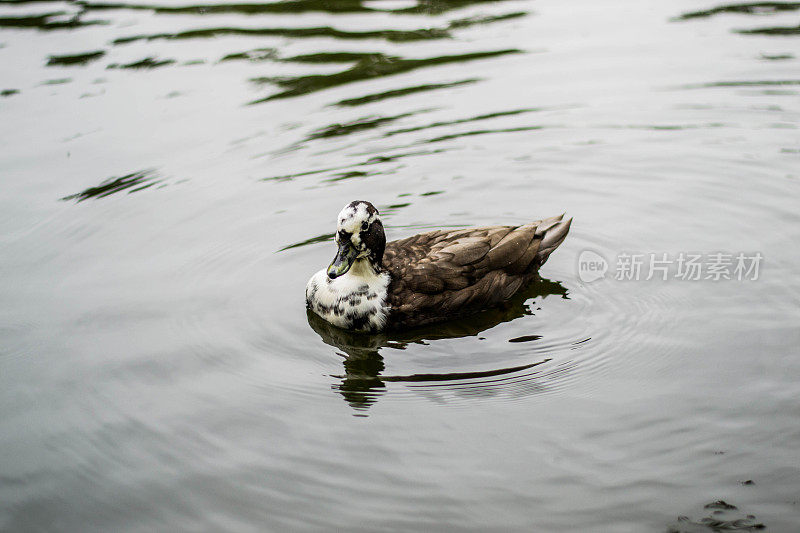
pixel 171 175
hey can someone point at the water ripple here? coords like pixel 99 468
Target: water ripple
pixel 754 8
pixel 56 20
pixel 396 93
pixel 369 67
pixel 144 64
pixel 773 30
pixel 365 378
pixel 75 59
pixel 290 7
pixel 134 182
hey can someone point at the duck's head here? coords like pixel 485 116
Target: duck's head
pixel 360 236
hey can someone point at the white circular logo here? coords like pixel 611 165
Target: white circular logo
pixel 591 266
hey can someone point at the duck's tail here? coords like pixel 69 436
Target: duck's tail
pixel 552 231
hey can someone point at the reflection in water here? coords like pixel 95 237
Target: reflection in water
pixel 777 30
pixel 752 83
pixel 756 8
pixel 368 67
pixel 362 383
pixel 337 130
pixel 57 81
pixel 369 123
pixel 259 54
pixel 340 176
pixel 369 98
pixel 424 7
pixel 329 57
pixel 48 21
pixel 291 7
pixel 777 57
pixel 313 240
pixel 134 182
pixel 481 132
pixel 376 160
pixel 146 63
pixel 461 121
pixel 322 31
pixel 327 31
pixel 438 7
pixel 75 59
pixel 365 64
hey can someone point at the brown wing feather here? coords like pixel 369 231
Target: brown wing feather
pixel 445 274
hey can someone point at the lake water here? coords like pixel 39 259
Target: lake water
pixel 171 176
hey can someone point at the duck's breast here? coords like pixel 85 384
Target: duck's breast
pixel 354 302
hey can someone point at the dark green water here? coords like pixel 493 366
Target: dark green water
pixel 170 179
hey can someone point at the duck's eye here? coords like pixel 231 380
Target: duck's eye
pixel 363 226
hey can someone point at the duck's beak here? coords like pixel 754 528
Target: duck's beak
pixel 344 259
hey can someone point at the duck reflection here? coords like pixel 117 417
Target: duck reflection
pixel 363 382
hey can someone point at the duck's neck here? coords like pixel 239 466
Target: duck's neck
pixel 364 268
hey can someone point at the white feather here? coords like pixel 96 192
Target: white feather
pixel 361 292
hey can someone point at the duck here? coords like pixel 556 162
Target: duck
pixel 436 276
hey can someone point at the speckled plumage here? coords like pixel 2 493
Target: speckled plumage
pixel 355 301
pixel 429 277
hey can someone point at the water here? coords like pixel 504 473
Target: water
pixel 171 177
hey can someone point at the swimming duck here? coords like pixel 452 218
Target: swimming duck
pixel 372 285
